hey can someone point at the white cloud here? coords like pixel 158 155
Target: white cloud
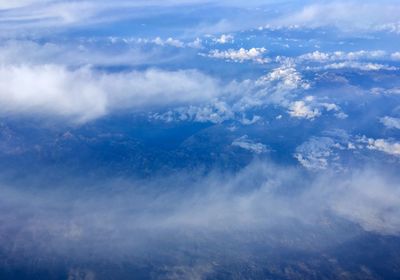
pixel 84 94
pixel 197 44
pixel 386 146
pixel 390 122
pixel 299 109
pixel 5 4
pixel 253 200
pixel 215 111
pixel 20 52
pixel 396 56
pixel 386 91
pixel 360 66
pixel 288 77
pixel 320 153
pixel 316 56
pixel 347 15
pixel 31 15
pixel 368 199
pixel 277 88
pixel 224 39
pixel 310 108
pixel 170 42
pixel 393 27
pixel 322 57
pixel 28 15
pixel 245 143
pixel 241 55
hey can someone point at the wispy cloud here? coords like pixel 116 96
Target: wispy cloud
pixel 347 15
pixel 127 215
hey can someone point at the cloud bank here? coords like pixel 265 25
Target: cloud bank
pixel 83 94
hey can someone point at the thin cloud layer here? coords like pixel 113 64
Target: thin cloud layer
pixel 215 204
pixel 41 15
pixel 347 15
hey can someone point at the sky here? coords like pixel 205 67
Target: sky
pixel 199 139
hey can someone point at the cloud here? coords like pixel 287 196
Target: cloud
pixel 370 200
pixel 196 43
pixel 84 94
pixel 385 91
pixel 76 54
pixel 6 5
pixel 241 55
pixel 245 143
pixel 170 41
pixel 396 56
pixel 322 57
pixel 224 39
pixel 31 15
pixel 280 87
pixel 390 122
pixel 360 60
pixel 237 99
pixel 137 219
pixel 347 15
pixel 360 66
pixel 299 109
pixel 315 154
pixel 393 27
pixel 26 17
pixel 287 76
pixel 383 145
pixel 310 108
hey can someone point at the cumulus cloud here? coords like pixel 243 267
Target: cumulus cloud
pixel 278 87
pixel 288 77
pixel 196 43
pixel 224 39
pixel 383 145
pixel 299 109
pixel 310 108
pixel 84 94
pixel 170 42
pixel 28 15
pixel 241 55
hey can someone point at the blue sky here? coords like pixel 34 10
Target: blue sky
pixel 231 124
